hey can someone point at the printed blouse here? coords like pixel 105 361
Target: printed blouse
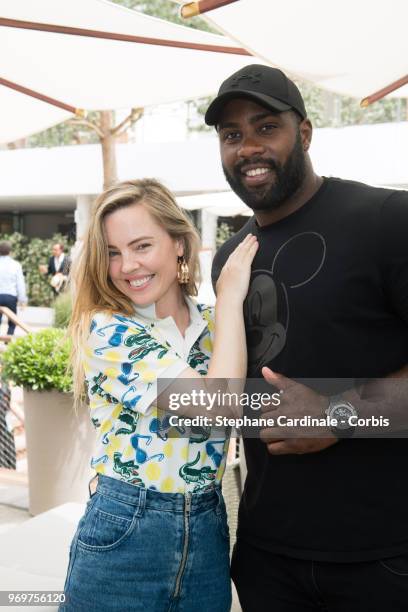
pixel 124 357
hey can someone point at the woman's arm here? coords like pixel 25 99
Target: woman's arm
pixel 229 357
pixel 228 364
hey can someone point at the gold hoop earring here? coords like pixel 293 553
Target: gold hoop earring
pixel 183 273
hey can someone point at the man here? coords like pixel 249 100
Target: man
pixel 12 285
pixel 323 521
pixel 58 268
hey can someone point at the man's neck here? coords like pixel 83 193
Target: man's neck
pixel 307 190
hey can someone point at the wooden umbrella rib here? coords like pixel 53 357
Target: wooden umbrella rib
pixel 162 42
pixel 35 94
pixel 191 9
pixel 381 93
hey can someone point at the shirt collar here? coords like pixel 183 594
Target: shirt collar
pixel 168 330
pixel 149 312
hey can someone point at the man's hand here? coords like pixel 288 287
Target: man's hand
pixel 297 401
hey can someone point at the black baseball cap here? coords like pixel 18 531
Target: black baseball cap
pixel 268 86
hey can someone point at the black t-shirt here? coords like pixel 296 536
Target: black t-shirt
pixel 328 299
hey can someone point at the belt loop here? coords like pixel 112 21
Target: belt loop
pixel 142 502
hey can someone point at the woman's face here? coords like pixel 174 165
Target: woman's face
pixel 142 256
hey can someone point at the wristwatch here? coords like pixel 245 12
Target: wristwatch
pixel 342 411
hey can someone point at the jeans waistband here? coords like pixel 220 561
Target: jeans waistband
pixel 210 497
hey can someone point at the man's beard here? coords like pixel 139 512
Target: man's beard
pixel 288 178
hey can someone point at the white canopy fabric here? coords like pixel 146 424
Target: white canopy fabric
pixel 21 115
pixel 352 47
pixel 98 74
pixel 223 204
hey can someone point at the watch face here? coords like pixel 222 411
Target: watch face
pixel 342 414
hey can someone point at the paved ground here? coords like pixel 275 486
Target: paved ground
pixel 11 517
pixel 13 499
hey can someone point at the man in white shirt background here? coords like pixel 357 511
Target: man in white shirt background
pixel 12 284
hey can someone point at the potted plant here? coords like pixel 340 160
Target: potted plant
pixel 59 440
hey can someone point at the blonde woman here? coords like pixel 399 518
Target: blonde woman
pixel 154 536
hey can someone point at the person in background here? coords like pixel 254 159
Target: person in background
pixel 58 268
pixel 12 284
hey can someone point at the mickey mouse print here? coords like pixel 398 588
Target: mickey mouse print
pixel 268 305
pixel 286 285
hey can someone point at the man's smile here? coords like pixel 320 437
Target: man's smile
pixel 256 175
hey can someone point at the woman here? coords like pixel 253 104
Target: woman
pixel 154 536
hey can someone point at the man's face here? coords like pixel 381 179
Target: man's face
pixel 262 153
pixel 56 250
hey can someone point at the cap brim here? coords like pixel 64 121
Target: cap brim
pixel 214 110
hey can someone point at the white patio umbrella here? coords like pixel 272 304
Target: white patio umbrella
pixel 224 203
pixel 352 48
pixel 95 55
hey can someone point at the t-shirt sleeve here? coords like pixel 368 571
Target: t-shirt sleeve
pixel 393 243
pixel 123 362
pixel 216 268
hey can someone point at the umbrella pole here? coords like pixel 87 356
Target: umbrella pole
pixel 144 40
pixel 381 93
pixel 191 9
pixel 42 97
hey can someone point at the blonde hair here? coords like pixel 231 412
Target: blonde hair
pixel 93 290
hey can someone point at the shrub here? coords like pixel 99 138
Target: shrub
pixel 39 361
pixel 62 308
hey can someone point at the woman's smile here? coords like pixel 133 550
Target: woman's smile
pixel 141 282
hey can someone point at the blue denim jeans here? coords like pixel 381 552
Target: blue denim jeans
pixel 141 550
pixel 11 302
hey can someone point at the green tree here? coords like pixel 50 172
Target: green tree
pixel 224 232
pixel 315 103
pixel 195 115
pixel 327 109
pixel 67 133
pixel 383 111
